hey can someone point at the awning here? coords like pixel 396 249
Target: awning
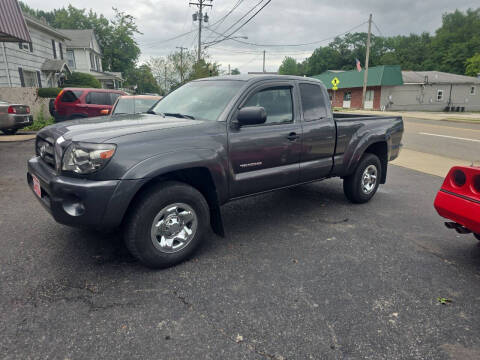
pixel 55 65
pixel 12 24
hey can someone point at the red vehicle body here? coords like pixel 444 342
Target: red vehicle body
pixel 459 200
pixel 75 103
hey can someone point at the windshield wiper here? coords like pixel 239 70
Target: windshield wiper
pixel 183 116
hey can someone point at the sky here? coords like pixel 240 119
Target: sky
pixel 281 22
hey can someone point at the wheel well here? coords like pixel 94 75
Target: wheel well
pixel 199 178
pixel 381 150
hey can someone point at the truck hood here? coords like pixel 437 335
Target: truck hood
pixel 104 128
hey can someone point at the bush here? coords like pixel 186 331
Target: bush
pixel 40 121
pixel 48 92
pixel 78 79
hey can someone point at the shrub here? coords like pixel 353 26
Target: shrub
pixel 40 121
pixel 78 79
pixel 48 92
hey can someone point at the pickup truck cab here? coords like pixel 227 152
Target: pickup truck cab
pixel 163 176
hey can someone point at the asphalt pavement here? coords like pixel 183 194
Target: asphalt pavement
pixel 301 274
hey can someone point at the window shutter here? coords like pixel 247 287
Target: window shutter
pixel 30 45
pixel 54 50
pixel 39 77
pixel 20 73
pixel 61 50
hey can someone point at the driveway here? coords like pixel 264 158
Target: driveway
pixel 301 274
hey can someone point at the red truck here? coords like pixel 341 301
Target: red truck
pixel 459 200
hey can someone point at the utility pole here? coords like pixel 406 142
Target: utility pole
pixel 229 72
pixel 181 61
pixel 165 81
pixel 200 17
pixel 264 61
pixel 365 74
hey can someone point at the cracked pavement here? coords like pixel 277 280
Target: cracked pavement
pixel 301 274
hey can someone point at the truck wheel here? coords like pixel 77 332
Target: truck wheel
pixel 166 224
pixel 477 236
pixel 363 183
pixel 9 131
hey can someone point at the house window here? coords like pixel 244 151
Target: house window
pixel 30 78
pixel 97 63
pixel 472 90
pixel 347 96
pixel 54 49
pixel 92 61
pixel 439 95
pixel 71 59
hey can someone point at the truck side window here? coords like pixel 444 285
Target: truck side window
pixel 277 102
pixel 313 102
pixel 99 98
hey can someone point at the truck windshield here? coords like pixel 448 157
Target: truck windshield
pixel 203 100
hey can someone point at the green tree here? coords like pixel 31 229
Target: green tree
pixel 79 79
pixel 235 71
pixel 142 78
pixel 473 66
pixel 289 66
pixel 203 68
pixel 115 36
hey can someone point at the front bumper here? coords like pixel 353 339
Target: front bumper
pixel 13 121
pixel 73 201
pixel 462 210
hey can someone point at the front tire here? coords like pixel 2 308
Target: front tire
pixel 362 185
pixel 166 224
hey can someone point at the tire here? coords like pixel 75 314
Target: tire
pixel 9 131
pixel 477 236
pixel 163 213
pixel 358 189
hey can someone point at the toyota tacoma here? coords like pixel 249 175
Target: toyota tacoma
pixel 162 176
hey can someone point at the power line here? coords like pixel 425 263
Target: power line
pixel 222 19
pixel 236 22
pixel 376 26
pixel 302 44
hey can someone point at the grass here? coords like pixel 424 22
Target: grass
pixel 40 121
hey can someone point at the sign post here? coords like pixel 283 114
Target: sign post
pixel 335 83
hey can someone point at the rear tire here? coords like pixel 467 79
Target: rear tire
pixel 362 185
pixel 477 236
pixel 9 131
pixel 166 224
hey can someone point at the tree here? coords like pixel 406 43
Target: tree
pixel 473 66
pixel 143 79
pixel 115 36
pixel 79 79
pixel 289 66
pixel 235 71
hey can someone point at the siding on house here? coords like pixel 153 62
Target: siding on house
pixel 16 58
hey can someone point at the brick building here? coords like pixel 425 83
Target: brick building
pixel 349 93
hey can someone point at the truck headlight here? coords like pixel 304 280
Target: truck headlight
pixel 85 158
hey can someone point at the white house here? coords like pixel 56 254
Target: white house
pixel 84 54
pixel 38 63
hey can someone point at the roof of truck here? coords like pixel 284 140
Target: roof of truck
pixel 258 77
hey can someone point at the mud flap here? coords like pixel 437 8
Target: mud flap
pixel 216 221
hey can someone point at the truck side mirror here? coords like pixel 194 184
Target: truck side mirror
pixel 251 115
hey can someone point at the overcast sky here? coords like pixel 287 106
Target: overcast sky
pixel 281 22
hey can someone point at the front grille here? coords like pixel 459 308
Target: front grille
pixel 46 151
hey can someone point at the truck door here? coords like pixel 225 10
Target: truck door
pixel 266 156
pixel 319 133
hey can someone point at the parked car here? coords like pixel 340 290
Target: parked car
pixel 164 175
pixel 134 104
pixel 14 117
pixel 459 200
pixel 76 103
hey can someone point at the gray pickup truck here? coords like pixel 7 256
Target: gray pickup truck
pixel 163 176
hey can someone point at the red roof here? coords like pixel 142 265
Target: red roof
pixel 12 24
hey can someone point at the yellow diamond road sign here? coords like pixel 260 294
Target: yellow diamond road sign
pixel 335 83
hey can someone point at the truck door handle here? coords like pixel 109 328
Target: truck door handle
pixel 292 136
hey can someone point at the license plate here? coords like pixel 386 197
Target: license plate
pixel 36 186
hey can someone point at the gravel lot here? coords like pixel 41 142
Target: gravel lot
pixel 301 274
